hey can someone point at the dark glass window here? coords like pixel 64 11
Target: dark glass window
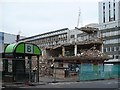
pixel 114 4
pixel 112 48
pixel 104 19
pixel 103 12
pixel 72 36
pixel 103 6
pixel 113 57
pixel 103 16
pixel 117 48
pixel 116 56
pixel 109 4
pixel 114 14
pixel 104 49
pixel 108 48
pixel 109 15
pixel 114 10
pixel 78 35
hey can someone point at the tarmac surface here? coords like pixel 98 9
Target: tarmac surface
pixel 47 82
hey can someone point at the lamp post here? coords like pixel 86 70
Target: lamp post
pixel 54 68
pixel 55 73
pixel 37 69
pixel 30 65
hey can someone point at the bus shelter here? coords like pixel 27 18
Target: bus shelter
pixel 14 61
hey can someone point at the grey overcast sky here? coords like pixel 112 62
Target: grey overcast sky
pixel 33 17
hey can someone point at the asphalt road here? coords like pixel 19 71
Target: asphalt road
pixel 93 85
pixel 83 84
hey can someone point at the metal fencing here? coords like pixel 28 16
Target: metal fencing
pixel 86 71
pixel 108 71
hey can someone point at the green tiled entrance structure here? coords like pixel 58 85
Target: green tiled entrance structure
pixel 15 67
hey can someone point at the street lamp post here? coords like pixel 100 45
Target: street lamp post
pixel 55 74
pixel 54 68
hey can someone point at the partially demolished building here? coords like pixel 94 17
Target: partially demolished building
pixel 73 53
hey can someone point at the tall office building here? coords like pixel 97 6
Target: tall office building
pixel 109 24
pixel 109 14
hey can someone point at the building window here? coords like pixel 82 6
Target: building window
pixel 109 13
pixel 78 35
pixel 114 4
pixel 103 6
pixel 112 48
pixel 109 4
pixel 113 57
pixel 108 49
pixel 104 49
pixel 117 48
pixel 104 17
pixel 72 36
pixel 114 14
pixel 103 12
pixel 116 57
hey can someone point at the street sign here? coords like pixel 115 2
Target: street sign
pixel 29 48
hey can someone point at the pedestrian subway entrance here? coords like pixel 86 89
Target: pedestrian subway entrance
pixel 18 61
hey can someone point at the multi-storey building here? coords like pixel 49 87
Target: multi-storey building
pixel 109 24
pixel 55 39
pixel 112 42
pixel 6 38
pixel 1 41
pixel 67 48
pixel 109 14
pixel 49 39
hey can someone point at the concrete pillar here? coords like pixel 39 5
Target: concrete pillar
pixel 75 50
pixel 44 53
pixel 63 51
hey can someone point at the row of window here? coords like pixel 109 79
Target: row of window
pixel 111 49
pixel 112 33
pixel 52 43
pixel 112 41
pixel 84 37
pixel 114 56
pixel 111 17
pixel 104 12
pixel 48 35
pixel 51 40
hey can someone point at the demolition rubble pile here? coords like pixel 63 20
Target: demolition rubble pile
pixel 93 54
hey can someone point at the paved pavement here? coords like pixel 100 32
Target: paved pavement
pixel 43 81
pixel 48 79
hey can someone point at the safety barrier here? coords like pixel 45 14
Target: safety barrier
pixel 109 71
